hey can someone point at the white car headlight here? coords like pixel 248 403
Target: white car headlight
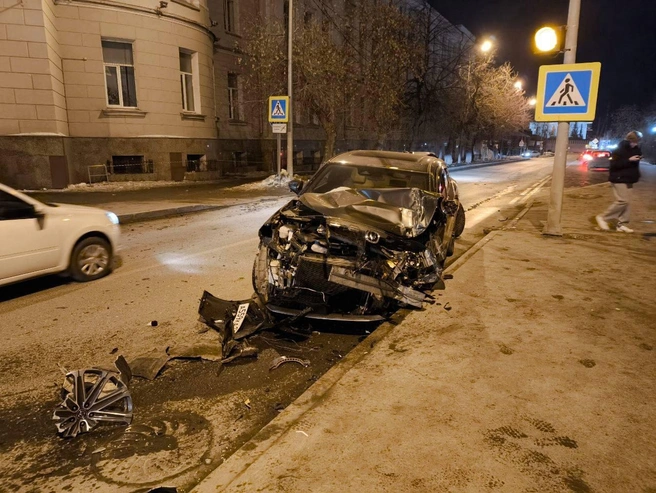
pixel 113 218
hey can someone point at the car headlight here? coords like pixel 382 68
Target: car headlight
pixel 113 218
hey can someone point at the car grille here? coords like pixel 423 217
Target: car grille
pixel 314 275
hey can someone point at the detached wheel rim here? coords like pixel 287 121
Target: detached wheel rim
pixel 93 260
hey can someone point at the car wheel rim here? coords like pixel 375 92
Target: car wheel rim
pixel 92 397
pixel 93 260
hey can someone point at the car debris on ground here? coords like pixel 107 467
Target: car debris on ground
pixel 288 359
pixel 92 397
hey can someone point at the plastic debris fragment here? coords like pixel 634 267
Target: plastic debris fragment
pixel 288 359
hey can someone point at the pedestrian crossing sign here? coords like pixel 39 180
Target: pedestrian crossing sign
pixel 279 109
pixel 567 92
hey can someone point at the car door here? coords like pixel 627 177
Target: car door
pixel 30 241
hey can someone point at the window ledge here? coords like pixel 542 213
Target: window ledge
pixel 192 116
pixel 238 122
pixel 187 4
pixel 123 112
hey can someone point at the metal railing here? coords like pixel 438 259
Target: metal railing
pixel 97 173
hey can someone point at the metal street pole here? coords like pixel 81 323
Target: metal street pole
pixel 290 130
pixel 553 226
pixel 278 139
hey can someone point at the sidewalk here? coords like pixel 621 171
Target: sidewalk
pixel 535 372
pixel 168 200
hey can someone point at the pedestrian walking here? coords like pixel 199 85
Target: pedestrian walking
pixel 624 172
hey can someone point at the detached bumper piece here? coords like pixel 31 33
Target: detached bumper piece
pixel 335 317
pixel 233 319
pixel 403 294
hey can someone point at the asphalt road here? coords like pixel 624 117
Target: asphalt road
pixel 50 324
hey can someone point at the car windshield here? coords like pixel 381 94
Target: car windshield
pixel 333 176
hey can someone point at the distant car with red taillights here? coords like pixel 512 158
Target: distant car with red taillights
pixel 595 159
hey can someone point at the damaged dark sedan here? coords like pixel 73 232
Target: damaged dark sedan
pixel 369 232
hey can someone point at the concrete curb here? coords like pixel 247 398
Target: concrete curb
pixel 164 213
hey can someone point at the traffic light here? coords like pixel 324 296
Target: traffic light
pixel 549 40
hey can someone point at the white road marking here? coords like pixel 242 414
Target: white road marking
pixel 480 214
pixel 530 191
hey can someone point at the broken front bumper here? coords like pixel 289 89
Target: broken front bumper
pixel 336 317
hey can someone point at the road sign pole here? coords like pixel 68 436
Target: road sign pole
pixel 278 154
pixel 290 130
pixel 554 215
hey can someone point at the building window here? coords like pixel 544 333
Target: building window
pixel 234 102
pixel 123 165
pixel 196 162
pixel 229 16
pixel 238 160
pixel 119 74
pixel 189 84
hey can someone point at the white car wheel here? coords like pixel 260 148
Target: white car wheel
pixel 91 259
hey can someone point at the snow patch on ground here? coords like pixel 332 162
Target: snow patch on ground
pixel 118 186
pixel 121 186
pixel 273 181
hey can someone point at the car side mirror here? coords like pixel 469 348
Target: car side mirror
pixel 296 186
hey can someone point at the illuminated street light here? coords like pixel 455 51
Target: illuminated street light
pixel 546 39
pixel 532 101
pixel 518 85
pixel 653 129
pixel 486 46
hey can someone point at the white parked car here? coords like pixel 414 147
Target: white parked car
pixel 39 239
pixel 531 153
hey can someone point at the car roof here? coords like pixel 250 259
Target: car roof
pixel 420 162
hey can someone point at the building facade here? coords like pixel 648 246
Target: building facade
pixel 152 90
pixel 88 86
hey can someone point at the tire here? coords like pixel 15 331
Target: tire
pixel 91 259
pixel 260 275
pixel 459 226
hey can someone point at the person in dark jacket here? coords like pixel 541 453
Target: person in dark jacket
pixel 624 172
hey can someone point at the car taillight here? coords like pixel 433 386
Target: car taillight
pixel 587 157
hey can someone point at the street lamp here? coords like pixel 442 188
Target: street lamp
pixel 290 125
pixel 518 85
pixel 532 101
pixel 486 46
pixel 544 39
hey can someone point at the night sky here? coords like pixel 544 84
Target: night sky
pixel 621 34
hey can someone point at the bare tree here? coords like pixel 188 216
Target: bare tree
pixel 444 49
pixel 386 58
pixel 408 73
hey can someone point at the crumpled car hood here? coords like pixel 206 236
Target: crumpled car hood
pixel 401 211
